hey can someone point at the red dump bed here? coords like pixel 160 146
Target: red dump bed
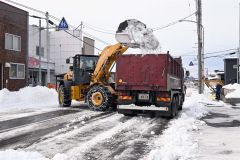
pixel 156 72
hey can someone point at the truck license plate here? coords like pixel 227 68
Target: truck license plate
pixel 143 96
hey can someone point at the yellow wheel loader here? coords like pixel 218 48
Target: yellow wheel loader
pixel 89 79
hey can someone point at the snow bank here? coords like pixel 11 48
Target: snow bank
pixel 232 90
pixel 28 97
pixel 178 141
pixel 234 94
pixel 232 86
pixel 20 155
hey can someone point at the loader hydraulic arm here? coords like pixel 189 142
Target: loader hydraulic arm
pixel 106 59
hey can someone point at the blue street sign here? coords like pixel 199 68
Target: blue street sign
pixel 63 24
pixel 191 63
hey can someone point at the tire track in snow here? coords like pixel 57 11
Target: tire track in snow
pixel 24 121
pixel 131 143
pixel 82 149
pixel 24 136
pixel 80 134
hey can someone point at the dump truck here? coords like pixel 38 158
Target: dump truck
pixel 151 83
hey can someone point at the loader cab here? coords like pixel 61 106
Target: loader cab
pixel 83 67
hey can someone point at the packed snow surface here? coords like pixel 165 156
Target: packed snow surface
pixel 178 140
pixel 28 97
pixel 20 155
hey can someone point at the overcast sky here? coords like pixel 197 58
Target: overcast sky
pixel 220 20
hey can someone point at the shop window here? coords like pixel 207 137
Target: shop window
pixel 17 71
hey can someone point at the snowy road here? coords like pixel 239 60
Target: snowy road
pixel 40 130
pixel 96 135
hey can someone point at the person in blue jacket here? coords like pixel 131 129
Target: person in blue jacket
pixel 218 91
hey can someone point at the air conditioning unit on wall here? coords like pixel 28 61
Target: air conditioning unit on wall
pixel 7 65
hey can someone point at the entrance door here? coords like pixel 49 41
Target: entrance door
pixel 1 76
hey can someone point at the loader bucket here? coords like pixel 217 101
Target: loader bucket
pixel 125 39
pixel 135 34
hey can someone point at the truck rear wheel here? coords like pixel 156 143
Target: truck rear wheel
pixel 64 96
pixel 181 102
pixel 99 98
pixel 174 107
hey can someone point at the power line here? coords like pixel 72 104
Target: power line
pixel 30 8
pixel 173 23
pixel 82 40
pixel 102 41
pixel 188 54
pixel 53 17
pixel 220 56
pixel 99 30
pixel 219 51
pixel 87 34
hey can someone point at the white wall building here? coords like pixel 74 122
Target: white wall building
pixel 33 58
pixel 63 46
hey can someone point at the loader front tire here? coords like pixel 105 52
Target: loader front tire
pixel 99 98
pixel 64 96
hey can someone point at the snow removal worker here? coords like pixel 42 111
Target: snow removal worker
pixel 69 74
pixel 218 91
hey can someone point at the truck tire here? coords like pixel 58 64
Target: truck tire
pixel 64 96
pixel 174 107
pixel 99 98
pixel 181 102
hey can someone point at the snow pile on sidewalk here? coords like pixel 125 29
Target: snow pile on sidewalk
pixel 20 155
pixel 232 86
pixel 234 90
pixel 178 140
pixel 28 97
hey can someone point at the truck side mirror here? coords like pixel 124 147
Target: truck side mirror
pixel 68 60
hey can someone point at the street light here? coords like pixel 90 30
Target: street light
pixel 200 56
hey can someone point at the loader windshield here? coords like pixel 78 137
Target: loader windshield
pixel 85 62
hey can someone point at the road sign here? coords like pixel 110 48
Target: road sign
pixel 234 66
pixel 191 63
pixel 63 24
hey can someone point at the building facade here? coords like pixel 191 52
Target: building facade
pixel 230 70
pixel 34 59
pixel 13 47
pixel 63 46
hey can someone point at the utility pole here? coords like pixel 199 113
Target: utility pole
pixel 200 49
pixel 47 48
pixel 40 52
pixel 81 37
pixel 238 60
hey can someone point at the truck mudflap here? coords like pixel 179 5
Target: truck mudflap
pixel 142 108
